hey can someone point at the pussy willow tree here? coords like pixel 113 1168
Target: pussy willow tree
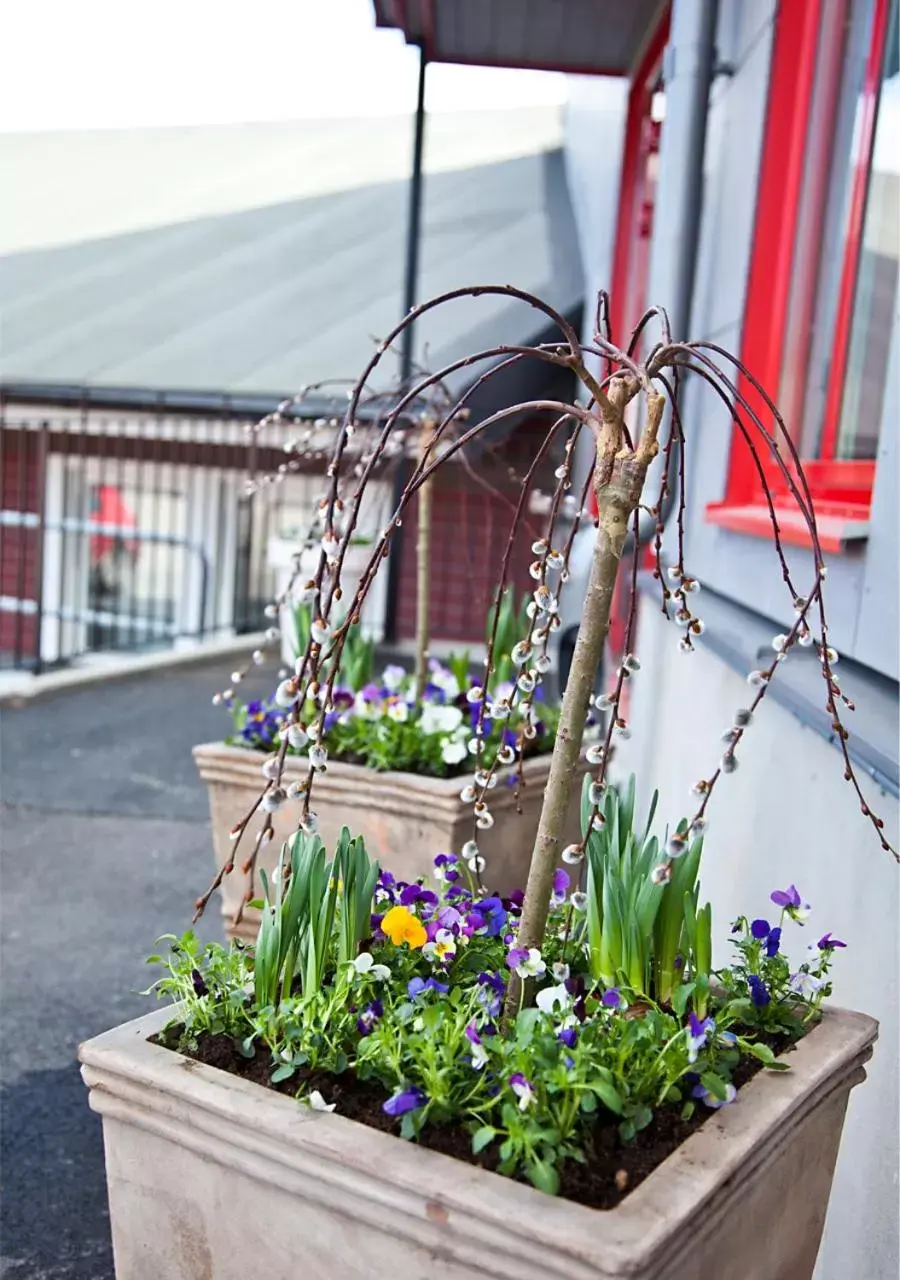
pixel 412 435
pixel 623 408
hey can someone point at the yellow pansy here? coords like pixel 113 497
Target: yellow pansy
pixel 402 926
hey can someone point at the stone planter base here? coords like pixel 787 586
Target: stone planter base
pixel 405 819
pixel 214 1178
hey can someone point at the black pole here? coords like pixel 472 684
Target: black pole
pixel 410 290
pixel 414 223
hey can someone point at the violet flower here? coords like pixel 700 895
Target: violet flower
pixel 568 1036
pixel 521 1087
pixel 479 1053
pixel 417 986
pixel 494 914
pixel 789 900
pixel 365 1023
pixel 697 1031
pixel 611 999
pixel 759 992
pixel 710 1099
pixel 561 884
pixel 406 1100
pixel 827 943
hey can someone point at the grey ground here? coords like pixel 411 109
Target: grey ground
pixel 105 843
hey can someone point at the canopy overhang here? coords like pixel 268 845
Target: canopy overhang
pixel 579 37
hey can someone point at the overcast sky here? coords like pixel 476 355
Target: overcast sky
pixel 82 64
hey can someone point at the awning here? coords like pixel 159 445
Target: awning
pixel 580 37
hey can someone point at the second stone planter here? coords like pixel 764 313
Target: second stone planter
pixel 405 819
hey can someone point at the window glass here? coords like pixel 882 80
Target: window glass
pixel 875 298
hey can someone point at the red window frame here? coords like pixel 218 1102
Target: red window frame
pixel 841 489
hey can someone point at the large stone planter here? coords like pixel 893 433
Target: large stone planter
pixel 214 1178
pixel 405 819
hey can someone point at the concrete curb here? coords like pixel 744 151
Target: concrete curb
pixel 20 687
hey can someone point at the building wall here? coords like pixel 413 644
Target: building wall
pixel 787 816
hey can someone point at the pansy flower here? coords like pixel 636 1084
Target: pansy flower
pixel 806 984
pixel 827 943
pixel 403 1101
pixel 790 901
pixel 697 1031
pixel 560 887
pixel 418 986
pixel 612 999
pixel 762 931
pixel 400 925
pixel 491 988
pixel 710 1100
pixel 365 967
pixel 521 1087
pixel 568 1036
pixel 442 949
pixel 526 962
pixel 494 915
pixel 365 1023
pixel 553 999
pixel 759 992
pixel 479 1053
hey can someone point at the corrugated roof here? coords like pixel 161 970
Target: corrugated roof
pixel 258 258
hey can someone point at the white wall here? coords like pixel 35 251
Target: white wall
pixel 787 816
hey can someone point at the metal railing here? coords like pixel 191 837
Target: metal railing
pixel 129 527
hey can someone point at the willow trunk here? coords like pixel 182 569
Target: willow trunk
pixel 617 501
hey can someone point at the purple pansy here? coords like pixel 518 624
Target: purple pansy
pixel 494 915
pixel 697 1031
pixel 710 1099
pixel 760 929
pixel 561 884
pixel 491 989
pixel 406 1100
pixel 759 992
pixel 516 956
pixel 365 1023
pixel 827 943
pixel 521 1087
pixel 568 1036
pixel 611 999
pixel 416 986
pixel 479 1053
pixel 790 901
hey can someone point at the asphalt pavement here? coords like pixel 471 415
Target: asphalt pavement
pixel 104 844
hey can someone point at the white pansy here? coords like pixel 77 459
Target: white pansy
pixel 551 999
pixel 365 967
pixel 316 1102
pixel 438 719
pixel 398 711
pixel 453 752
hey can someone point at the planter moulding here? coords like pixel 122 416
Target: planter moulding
pixel 214 1178
pixel 404 818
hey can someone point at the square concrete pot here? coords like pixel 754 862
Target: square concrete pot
pixel 404 818
pixel 214 1178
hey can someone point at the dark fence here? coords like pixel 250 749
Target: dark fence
pixel 129 529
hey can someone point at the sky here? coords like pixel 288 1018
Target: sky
pixel 115 64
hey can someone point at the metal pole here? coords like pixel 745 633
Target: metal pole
pixel 410 289
pixel 413 228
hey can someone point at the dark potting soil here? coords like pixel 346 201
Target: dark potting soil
pixel 611 1169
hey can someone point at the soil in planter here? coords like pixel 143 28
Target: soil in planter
pixel 612 1167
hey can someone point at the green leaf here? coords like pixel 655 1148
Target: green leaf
pixel 715 1085
pixel 544 1176
pixel 608 1095
pixel 626 1131
pixel 680 999
pixel 284 1072
pixel 762 1052
pixel 481 1137
pixel 588 1102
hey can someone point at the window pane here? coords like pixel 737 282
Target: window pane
pixel 876 286
pixel 830 245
